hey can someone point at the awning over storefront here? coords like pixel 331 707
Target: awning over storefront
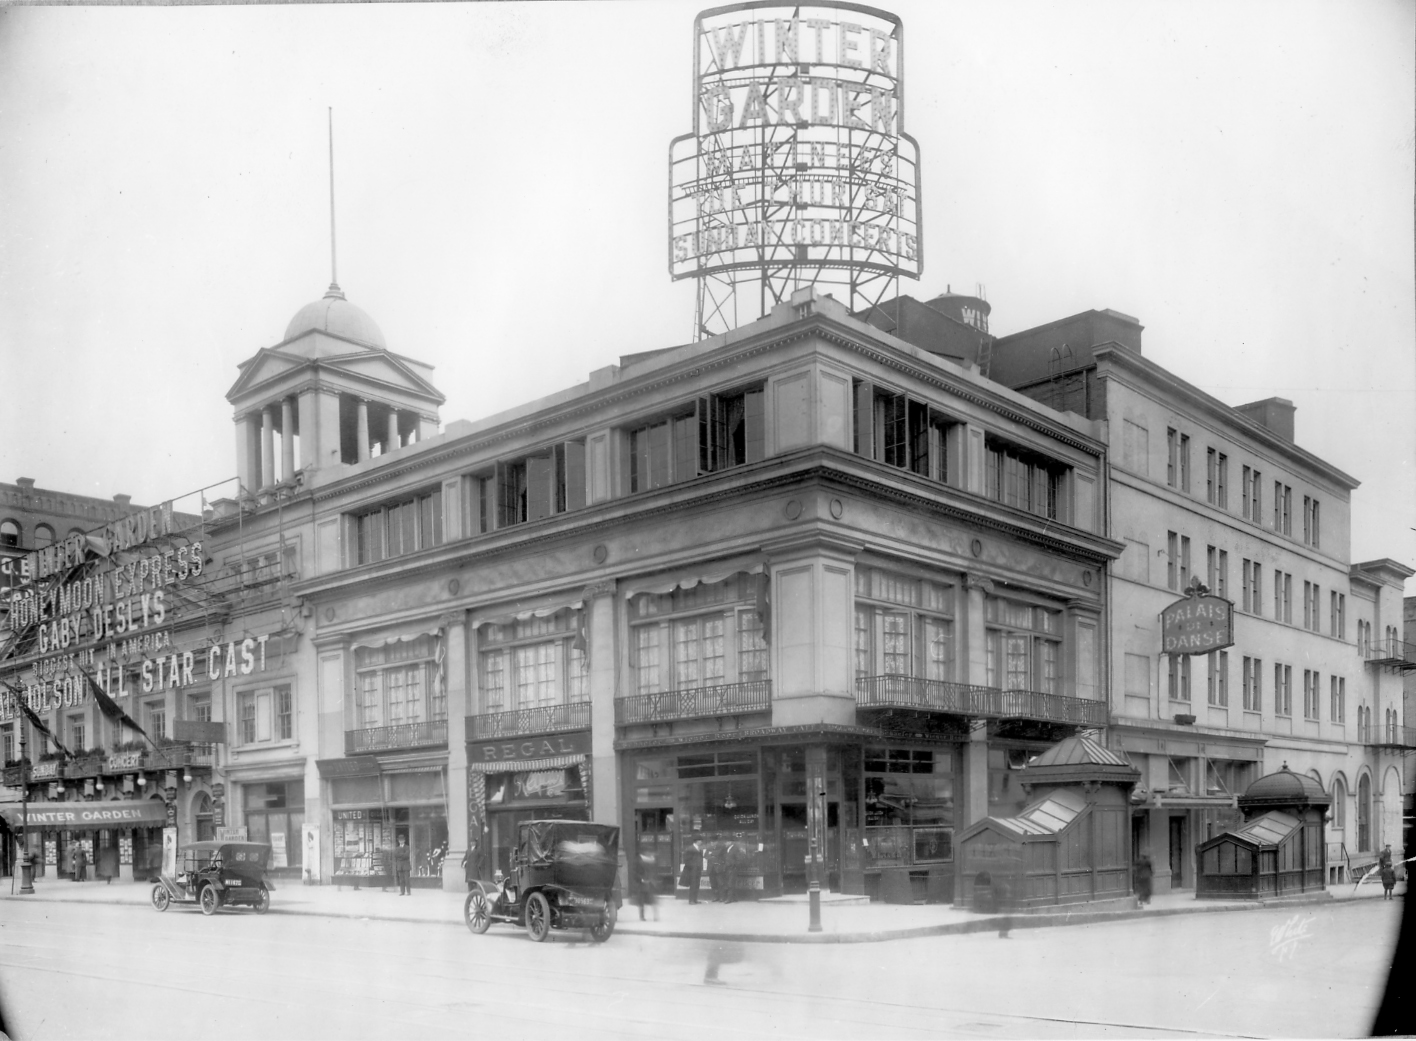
pixel 93 816
pixel 381 637
pixel 688 578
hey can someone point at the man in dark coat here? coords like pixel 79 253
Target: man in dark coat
pixel 693 869
pixel 402 865
pixel 714 861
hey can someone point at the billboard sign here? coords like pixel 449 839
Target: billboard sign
pixel 798 156
pixel 1198 624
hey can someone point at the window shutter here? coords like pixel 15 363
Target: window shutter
pixel 574 475
pixel 865 419
pixel 705 436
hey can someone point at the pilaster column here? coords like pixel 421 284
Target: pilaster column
pixel 975 751
pixel 392 441
pixel 248 453
pixel 361 426
pixel 287 439
pixel 454 636
pixel 267 447
pixel 601 650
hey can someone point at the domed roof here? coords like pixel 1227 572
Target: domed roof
pixel 335 315
pixel 1285 788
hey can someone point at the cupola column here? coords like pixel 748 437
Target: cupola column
pixel 267 447
pixel 362 430
pixel 287 439
pixel 392 442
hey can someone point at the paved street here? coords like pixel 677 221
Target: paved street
pixel 100 970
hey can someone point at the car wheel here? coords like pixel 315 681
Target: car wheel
pixel 160 898
pixel 601 932
pixel 538 917
pixel 211 900
pixel 263 901
pixel 476 912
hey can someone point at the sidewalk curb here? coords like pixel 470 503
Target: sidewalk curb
pixel 979 925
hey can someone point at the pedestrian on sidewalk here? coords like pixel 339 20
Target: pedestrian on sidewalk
pixel 714 860
pixel 80 863
pixel 402 865
pixel 692 872
pixel 1388 879
pixel 1144 872
pixel 734 859
pixel 641 883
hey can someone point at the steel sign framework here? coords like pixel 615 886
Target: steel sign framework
pixel 798 170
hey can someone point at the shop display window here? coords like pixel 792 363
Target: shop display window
pixel 909 805
pixel 275 813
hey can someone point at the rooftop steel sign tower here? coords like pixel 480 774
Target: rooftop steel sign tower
pixel 798 170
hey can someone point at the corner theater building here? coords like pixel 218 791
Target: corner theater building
pixel 800 575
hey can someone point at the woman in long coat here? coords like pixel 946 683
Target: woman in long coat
pixel 1144 872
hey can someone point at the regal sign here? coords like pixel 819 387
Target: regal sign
pixel 526 749
pixel 1198 624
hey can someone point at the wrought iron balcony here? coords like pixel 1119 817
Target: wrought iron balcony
pixel 402 735
pixel 729 699
pixel 963 699
pixel 1388 736
pixel 1391 654
pixel 544 719
pixel 85 766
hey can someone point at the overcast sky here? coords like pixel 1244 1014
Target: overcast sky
pixel 1239 176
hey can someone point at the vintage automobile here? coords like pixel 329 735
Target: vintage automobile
pixel 562 877
pixel 217 874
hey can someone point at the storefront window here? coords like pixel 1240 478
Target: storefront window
pixel 512 798
pixel 275 813
pixel 533 663
pixel 1023 646
pixel 706 636
pixel 903 626
pixel 398 684
pixel 909 804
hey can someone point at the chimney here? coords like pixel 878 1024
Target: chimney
pixel 1274 414
pixel 123 500
pixel 26 484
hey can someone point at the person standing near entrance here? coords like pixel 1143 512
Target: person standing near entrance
pixel 1143 874
pixel 713 858
pixel 693 869
pixel 402 865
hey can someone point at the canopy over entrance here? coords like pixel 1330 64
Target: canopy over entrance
pixel 87 816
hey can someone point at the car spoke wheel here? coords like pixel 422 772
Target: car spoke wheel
pixel 263 901
pixel 211 900
pixel 160 898
pixel 538 917
pixel 476 913
pixel 601 932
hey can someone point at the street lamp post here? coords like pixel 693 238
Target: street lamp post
pixel 26 868
pixel 816 828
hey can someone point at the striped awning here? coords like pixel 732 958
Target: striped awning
pixel 522 765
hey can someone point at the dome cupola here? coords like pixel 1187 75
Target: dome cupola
pixel 335 315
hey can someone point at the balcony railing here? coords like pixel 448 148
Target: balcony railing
pixel 729 699
pixel 403 735
pixel 979 702
pixel 544 719
pixel 1391 654
pixel 1387 737
pixel 85 766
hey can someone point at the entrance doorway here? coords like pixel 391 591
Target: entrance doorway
pixel 658 860
pixel 795 844
pixel 1177 853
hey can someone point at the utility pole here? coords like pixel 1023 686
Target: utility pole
pixel 26 868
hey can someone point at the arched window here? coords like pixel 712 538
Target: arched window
pixel 1339 803
pixel 43 536
pixel 10 533
pixel 1364 814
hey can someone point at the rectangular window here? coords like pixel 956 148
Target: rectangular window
pixel 397 684
pixel 1221 586
pixel 7 744
pixel 1254 508
pixel 1017 477
pixel 1221 482
pixel 1287 597
pixel 1338 690
pixel 1282 691
pixel 1310 694
pixel 398 528
pixel 1022 646
pixel 708 636
pixel 1172 552
pixel 1172 452
pixel 1211 475
pixel 76 734
pixel 1218 680
pixel 1317 542
pixel 1339 615
pixel 751 648
pixel 731 429
pixel 1248 594
pixel 1253 684
pixel 1184 561
pixel 1179 677
pixel 1211 564
pixel 1278 506
pixel 907 631
pixel 259 715
pixel 1184 462
pixel 1259 588
pixel 156 713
